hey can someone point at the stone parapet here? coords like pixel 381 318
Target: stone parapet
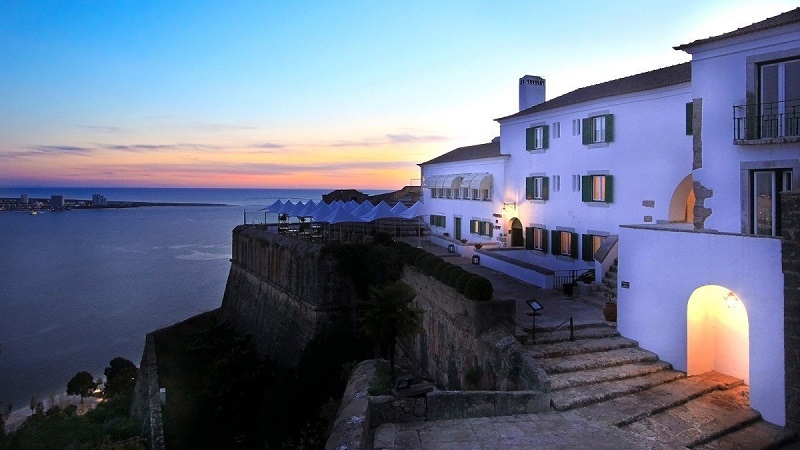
pixel 146 404
pixel 351 427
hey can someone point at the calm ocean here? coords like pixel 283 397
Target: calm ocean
pixel 78 288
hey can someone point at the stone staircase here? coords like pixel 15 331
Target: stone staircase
pixel 605 377
pixel 609 280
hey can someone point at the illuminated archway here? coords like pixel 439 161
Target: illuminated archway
pixel 517 239
pixel 681 206
pixel 717 333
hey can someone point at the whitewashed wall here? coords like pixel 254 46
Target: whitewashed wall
pixel 665 267
pixel 719 78
pixel 649 156
pixel 467 209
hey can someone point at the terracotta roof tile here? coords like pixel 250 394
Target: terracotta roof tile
pixel 654 79
pixel 480 151
pixel 780 20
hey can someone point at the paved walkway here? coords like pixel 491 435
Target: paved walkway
pixel 547 430
pixel 583 309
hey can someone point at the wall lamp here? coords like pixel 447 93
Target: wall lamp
pixel 732 300
pixel 510 205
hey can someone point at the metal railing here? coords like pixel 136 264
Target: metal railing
pixel 562 277
pixel 766 120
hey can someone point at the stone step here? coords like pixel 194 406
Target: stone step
pixel 699 421
pixel 611 275
pixel 630 408
pixel 586 377
pixel 756 436
pixel 561 335
pixel 610 282
pixel 613 268
pixel 609 358
pixel 586 395
pixel 559 349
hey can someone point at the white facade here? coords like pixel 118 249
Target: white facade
pixel 483 175
pixel 646 159
pixel 688 177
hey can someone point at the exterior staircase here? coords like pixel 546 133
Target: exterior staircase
pixel 610 280
pixel 605 377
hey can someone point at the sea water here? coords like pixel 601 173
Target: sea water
pixel 80 287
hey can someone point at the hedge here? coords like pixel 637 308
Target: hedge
pixel 479 288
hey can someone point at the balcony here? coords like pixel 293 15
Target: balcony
pixel 766 123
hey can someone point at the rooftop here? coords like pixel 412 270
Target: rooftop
pixel 787 18
pixel 654 79
pixel 480 151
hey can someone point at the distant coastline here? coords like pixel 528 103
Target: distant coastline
pixel 44 204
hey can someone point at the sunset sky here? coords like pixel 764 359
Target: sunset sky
pixel 272 94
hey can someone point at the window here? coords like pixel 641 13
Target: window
pixel 536 188
pixel 598 129
pixel 591 243
pixel 438 221
pixel 556 130
pixel 466 193
pixel 456 193
pixel 536 239
pixel 576 127
pixel 556 183
pixel 779 92
pixel 440 192
pixel 689 118
pixel 766 213
pixel 597 188
pixel 486 194
pixel 576 183
pixel 433 193
pixel 448 193
pixel 536 138
pixel 481 227
pixel 564 243
pixel 476 195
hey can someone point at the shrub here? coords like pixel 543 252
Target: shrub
pixel 479 289
pixel 452 274
pixel 441 271
pixel 382 237
pixel 461 281
pixel 412 254
pixel 431 264
pixel 419 260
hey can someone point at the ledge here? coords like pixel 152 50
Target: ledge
pixel 674 229
pixel 767 141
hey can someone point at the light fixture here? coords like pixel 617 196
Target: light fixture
pixel 732 300
pixel 510 205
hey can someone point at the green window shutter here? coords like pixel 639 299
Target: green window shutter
pixel 586 131
pixel 529 238
pixel 609 127
pixel 528 188
pixel 689 117
pixel 530 138
pixel 586 188
pixel 546 136
pixel 544 241
pixel 490 232
pixel 473 226
pixel 609 189
pixel 545 188
pixel 555 237
pixel 586 250
pixel 574 250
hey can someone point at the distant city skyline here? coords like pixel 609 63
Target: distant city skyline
pixel 302 94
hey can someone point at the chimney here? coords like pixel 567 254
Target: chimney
pixel 531 91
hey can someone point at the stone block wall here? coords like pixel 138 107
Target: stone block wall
pixel 790 248
pixel 282 292
pixel 467 344
pixel 146 404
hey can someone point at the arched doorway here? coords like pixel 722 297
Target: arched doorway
pixel 717 333
pixel 517 239
pixel 681 207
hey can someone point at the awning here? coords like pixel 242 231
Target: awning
pixel 481 181
pixel 456 184
pixel 448 182
pixel 467 179
pixel 431 180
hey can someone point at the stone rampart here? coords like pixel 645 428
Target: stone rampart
pixel 467 344
pixel 146 403
pixel 790 248
pixel 283 292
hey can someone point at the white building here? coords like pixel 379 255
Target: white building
pixel 678 172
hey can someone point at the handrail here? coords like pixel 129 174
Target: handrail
pixel 571 328
pixel 766 120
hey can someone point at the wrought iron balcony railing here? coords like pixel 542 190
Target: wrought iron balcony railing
pixel 766 120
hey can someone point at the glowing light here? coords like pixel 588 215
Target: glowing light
pixel 732 300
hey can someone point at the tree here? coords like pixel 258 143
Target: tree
pixel 388 314
pixel 117 366
pixel 81 384
pixel 120 377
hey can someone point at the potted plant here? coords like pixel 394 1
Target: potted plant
pixel 478 246
pixel 587 277
pixel 610 310
pixel 446 234
pixel 463 241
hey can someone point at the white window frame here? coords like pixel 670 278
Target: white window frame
pixel 598 129
pixel 556 130
pixel 598 188
pixel 538 239
pixel 566 243
pixel 576 127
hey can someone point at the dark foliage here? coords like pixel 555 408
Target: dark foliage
pixel 478 288
pixel 81 384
